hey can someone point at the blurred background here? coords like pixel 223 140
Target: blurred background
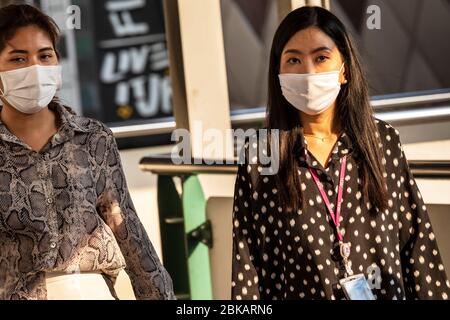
pixel 146 67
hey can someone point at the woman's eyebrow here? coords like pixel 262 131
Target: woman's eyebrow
pixel 13 51
pixel 296 51
pixel 323 48
pixel 46 49
pixel 17 51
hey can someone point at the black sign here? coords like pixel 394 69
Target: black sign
pixel 132 59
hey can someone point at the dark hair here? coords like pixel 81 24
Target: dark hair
pixel 15 16
pixel 353 110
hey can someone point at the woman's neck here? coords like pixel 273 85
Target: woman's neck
pixel 21 124
pixel 322 125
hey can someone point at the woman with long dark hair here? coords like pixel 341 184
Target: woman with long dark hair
pixel 342 217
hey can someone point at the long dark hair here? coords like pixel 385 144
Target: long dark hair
pixel 353 110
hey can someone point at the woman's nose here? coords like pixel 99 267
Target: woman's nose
pixel 33 60
pixel 309 68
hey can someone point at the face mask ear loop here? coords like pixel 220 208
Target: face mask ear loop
pixel 2 93
pixel 340 70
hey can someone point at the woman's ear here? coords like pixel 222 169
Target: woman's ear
pixel 343 77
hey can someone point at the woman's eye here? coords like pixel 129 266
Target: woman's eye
pixel 18 59
pixel 293 61
pixel 46 57
pixel 322 59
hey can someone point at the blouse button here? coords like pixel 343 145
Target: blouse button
pixel 53 245
pixel 49 200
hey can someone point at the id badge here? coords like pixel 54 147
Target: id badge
pixel 356 288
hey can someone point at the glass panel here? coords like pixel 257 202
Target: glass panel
pixel 410 52
pixel 123 61
pixel 248 28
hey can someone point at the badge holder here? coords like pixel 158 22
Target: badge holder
pixel 355 287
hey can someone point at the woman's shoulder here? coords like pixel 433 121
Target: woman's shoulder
pixel 86 124
pixel 391 143
pixel 388 133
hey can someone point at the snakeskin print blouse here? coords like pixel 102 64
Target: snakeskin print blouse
pixel 67 209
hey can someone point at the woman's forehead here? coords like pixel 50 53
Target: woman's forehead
pixel 29 37
pixel 307 40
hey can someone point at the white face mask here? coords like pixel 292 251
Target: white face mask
pixel 30 89
pixel 311 93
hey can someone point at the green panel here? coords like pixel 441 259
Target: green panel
pixel 173 240
pixel 194 206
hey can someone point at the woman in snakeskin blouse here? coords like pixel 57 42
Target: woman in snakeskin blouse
pixel 65 211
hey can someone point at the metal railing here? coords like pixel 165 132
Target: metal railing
pixel 395 109
pixel 147 129
pixel 402 100
pixel 430 168
pixel 163 165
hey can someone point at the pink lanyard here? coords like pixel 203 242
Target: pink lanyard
pixel 334 216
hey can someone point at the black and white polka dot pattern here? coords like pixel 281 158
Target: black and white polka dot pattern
pixel 290 256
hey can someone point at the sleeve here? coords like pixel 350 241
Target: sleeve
pixel 423 271
pixel 244 284
pixel 149 278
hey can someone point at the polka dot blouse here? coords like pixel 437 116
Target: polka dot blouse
pixel 292 256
